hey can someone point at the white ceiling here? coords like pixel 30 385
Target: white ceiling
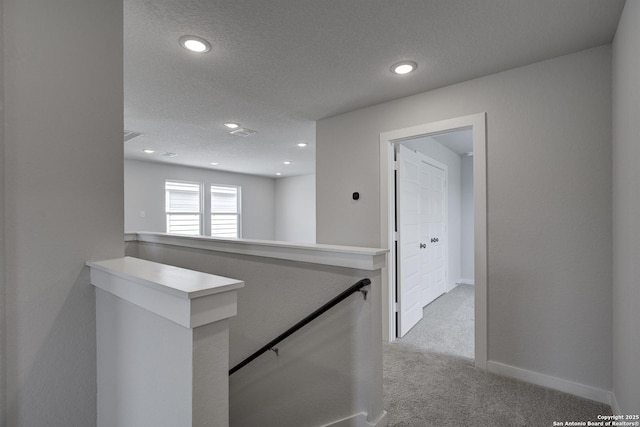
pixel 277 66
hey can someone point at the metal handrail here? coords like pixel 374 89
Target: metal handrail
pixel 357 287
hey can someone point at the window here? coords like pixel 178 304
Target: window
pixel 183 207
pixel 186 206
pixel 225 211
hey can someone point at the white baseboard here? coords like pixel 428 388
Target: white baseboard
pixel 360 420
pixel 614 405
pixel 382 420
pixel 555 383
pixel 451 286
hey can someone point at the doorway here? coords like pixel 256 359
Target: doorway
pixel 391 303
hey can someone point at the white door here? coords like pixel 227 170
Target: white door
pixel 433 230
pixel 409 277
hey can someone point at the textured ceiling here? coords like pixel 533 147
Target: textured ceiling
pixel 277 66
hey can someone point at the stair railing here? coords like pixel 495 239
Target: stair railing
pixel 271 345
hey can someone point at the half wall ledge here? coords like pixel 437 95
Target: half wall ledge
pixel 339 256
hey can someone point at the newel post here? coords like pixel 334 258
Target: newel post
pixel 162 344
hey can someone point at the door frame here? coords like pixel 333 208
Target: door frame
pixel 477 122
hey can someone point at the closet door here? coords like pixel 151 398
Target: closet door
pixel 433 231
pixel 408 205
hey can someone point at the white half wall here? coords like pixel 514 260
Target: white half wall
pixel 296 209
pixel 435 150
pixel 549 203
pixel 329 370
pixel 466 220
pixel 144 191
pixel 63 121
pixel 626 210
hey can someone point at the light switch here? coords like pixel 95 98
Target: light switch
pixel 142 214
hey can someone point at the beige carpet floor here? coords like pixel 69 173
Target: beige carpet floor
pixel 424 389
pixel 447 324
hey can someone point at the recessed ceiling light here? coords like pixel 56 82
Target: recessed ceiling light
pixel 404 67
pixel 302 144
pixel 195 44
pixel 278 173
pixel 287 162
pixel 232 125
pixel 214 163
pixel 149 151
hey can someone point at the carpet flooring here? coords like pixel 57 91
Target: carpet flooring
pixel 430 379
pixel 424 389
pixel 447 324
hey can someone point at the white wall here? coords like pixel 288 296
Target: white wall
pixel 63 110
pixel 438 152
pixel 144 191
pixel 296 209
pixel 153 371
pixel 466 220
pixel 626 210
pixel 549 203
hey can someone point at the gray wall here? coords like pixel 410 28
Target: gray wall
pixel 466 219
pixel 3 400
pixel 144 191
pixel 63 110
pixel 296 209
pixel 438 152
pixel 549 203
pixel 626 210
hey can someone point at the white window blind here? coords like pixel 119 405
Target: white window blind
pixel 183 207
pixel 225 212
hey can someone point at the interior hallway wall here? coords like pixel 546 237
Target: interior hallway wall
pixel 626 210
pixel 549 203
pixel 144 191
pixel 63 194
pixel 3 400
pixel 296 209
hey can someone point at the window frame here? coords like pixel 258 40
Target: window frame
pixel 201 206
pixel 238 212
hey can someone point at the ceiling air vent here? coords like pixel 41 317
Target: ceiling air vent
pixel 129 135
pixel 242 132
